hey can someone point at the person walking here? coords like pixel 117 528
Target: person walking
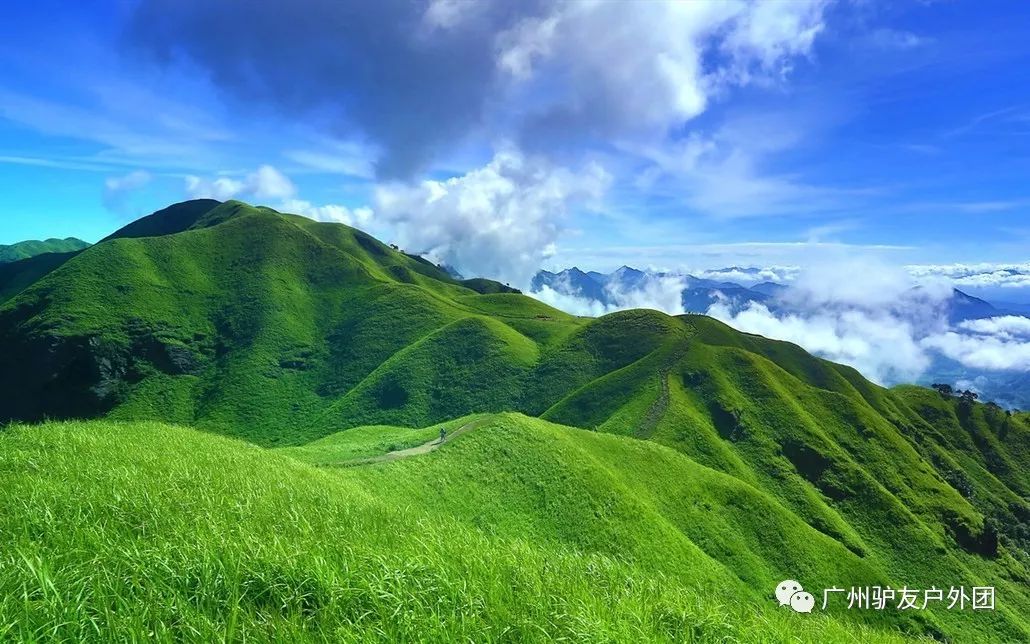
pixel 443 434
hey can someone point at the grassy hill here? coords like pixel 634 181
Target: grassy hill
pixel 115 530
pixel 678 466
pixel 33 247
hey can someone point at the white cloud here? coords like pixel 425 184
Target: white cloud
pixel 574 304
pixel 416 79
pixel 751 275
pixel 660 293
pixel 131 181
pixel 117 189
pixel 863 282
pixel 770 34
pixel 858 311
pixel 445 14
pixel 526 43
pixel 1006 326
pixel 500 220
pixel 221 188
pixel 268 183
pixel 268 186
pixel 890 324
pixel 867 314
pixel 998 343
pixel 983 351
pixel 880 345
pixel 1014 275
pixel 329 212
pixel 655 67
pixel 265 183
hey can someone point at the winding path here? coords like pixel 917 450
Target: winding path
pixel 424 448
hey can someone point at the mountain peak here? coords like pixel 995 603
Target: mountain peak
pixel 173 219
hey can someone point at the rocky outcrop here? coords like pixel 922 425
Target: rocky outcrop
pixel 45 375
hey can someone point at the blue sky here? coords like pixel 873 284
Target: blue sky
pixel 501 139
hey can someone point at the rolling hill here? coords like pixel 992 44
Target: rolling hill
pixel 33 247
pixel 637 476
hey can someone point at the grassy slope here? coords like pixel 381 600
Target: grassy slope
pixel 267 308
pixel 31 248
pixel 18 275
pixel 298 330
pixel 239 543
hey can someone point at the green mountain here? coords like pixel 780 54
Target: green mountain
pixel 635 477
pixel 31 248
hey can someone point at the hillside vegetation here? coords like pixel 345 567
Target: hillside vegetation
pixel 113 531
pixel 33 247
pixel 639 476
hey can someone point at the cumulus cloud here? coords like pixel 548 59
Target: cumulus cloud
pixel 664 293
pixel 418 77
pixel 871 316
pixel 993 352
pixel 574 304
pixel 661 64
pixel 660 292
pixel 268 186
pixel 1000 343
pixel 1006 326
pixel 880 345
pixel 221 188
pixel 866 283
pixel 501 220
pixel 266 183
pixel 857 311
pixel 334 213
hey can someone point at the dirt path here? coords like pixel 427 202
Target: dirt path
pixel 657 409
pixel 655 413
pixel 424 448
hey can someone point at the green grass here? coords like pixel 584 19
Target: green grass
pixel 31 248
pixel 116 532
pixel 695 463
pixel 359 443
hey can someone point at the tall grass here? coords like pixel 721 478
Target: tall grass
pixel 131 532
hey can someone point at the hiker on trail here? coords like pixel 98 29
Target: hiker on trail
pixel 443 434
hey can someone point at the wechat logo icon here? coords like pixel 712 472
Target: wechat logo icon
pixel 790 593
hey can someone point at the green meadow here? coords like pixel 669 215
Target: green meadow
pixel 223 424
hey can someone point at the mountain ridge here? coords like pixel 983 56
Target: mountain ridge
pixel 33 247
pixel 286 333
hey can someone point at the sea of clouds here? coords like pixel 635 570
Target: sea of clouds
pixel 889 322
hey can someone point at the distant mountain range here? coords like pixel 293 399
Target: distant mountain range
pixel 33 247
pixel 699 294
